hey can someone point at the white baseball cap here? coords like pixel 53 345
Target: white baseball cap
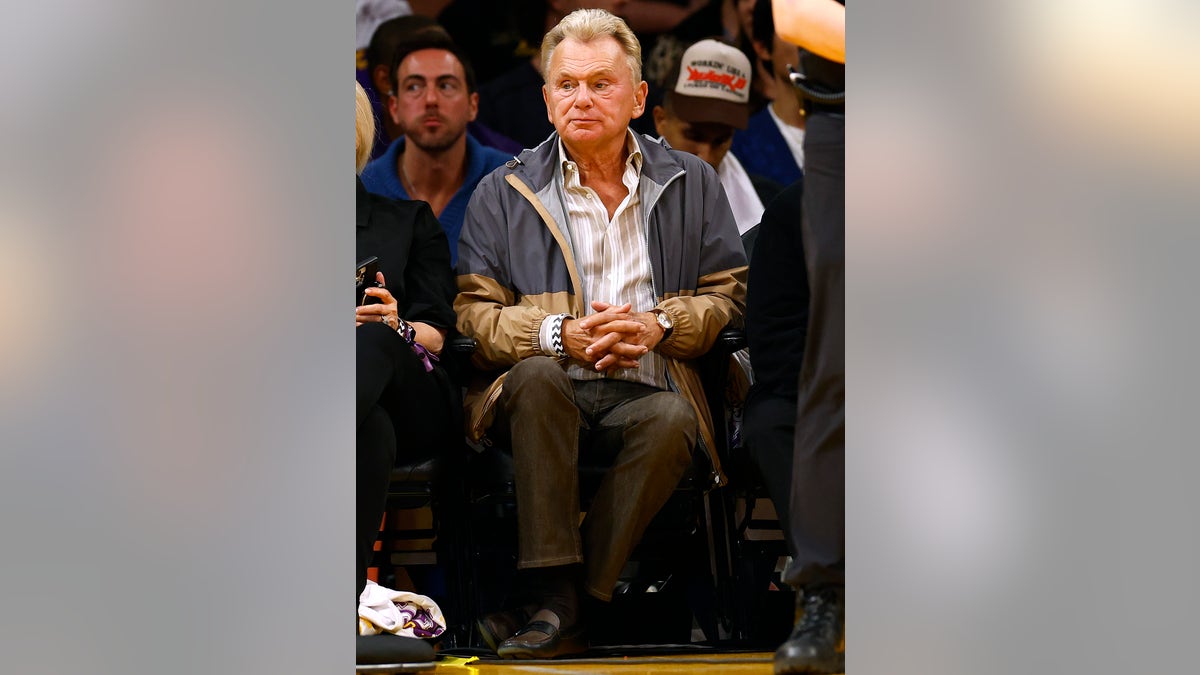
pixel 713 85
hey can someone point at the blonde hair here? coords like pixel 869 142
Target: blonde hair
pixel 364 128
pixel 586 25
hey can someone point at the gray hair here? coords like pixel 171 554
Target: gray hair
pixel 586 25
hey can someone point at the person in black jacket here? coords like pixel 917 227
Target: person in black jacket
pixel 817 513
pixel 777 297
pixel 406 403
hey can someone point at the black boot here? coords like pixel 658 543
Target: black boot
pixel 818 641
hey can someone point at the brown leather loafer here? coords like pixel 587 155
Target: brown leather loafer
pixel 541 640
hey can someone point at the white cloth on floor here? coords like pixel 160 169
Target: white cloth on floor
pixel 383 610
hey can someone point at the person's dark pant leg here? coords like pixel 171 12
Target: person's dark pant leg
pixel 543 422
pixel 659 433
pixel 818 469
pixel 376 453
pixel 375 361
pixel 769 435
pixel 403 413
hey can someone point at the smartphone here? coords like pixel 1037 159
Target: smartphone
pixel 367 274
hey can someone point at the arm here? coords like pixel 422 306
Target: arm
pixel 777 304
pixel 429 282
pixel 816 25
pixel 720 296
pixel 486 304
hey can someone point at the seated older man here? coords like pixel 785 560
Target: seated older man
pixel 594 268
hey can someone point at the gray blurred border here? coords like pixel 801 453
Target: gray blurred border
pixel 176 367
pixel 1021 243
pixel 174 483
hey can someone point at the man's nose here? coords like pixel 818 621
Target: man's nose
pixel 583 97
pixel 707 152
pixel 431 97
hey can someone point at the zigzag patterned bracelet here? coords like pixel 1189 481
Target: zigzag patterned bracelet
pixel 556 338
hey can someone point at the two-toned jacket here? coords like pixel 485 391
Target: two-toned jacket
pixel 516 266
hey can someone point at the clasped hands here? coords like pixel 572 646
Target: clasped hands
pixel 611 338
pixel 427 336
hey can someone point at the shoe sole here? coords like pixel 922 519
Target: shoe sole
pixel 816 668
pixel 391 668
pixel 567 644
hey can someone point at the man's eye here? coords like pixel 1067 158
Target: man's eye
pixel 601 85
pixel 566 86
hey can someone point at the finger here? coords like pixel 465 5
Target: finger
pixel 602 345
pixel 380 279
pixel 600 306
pixel 372 310
pixel 624 326
pixel 610 314
pixel 381 293
pixel 624 349
pixel 612 362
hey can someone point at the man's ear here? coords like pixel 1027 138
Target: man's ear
pixel 473 107
pixel 393 106
pixel 639 105
pixel 379 77
pixel 764 55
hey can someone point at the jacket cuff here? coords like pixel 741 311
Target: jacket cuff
pixel 678 320
pixel 550 340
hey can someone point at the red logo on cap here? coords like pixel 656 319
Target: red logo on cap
pixel 734 82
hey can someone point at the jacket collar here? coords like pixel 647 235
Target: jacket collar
pixel 536 166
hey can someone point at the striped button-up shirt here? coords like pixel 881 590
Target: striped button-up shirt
pixel 613 257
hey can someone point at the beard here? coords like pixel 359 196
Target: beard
pixel 438 140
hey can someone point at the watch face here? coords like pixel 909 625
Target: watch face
pixel 663 320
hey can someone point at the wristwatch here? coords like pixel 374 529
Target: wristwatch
pixel 664 321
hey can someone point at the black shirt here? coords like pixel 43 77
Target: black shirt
pixel 413 253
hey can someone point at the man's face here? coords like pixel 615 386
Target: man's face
pixel 431 104
pixel 590 94
pixel 707 140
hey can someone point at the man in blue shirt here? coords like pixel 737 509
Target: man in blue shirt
pixel 436 161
